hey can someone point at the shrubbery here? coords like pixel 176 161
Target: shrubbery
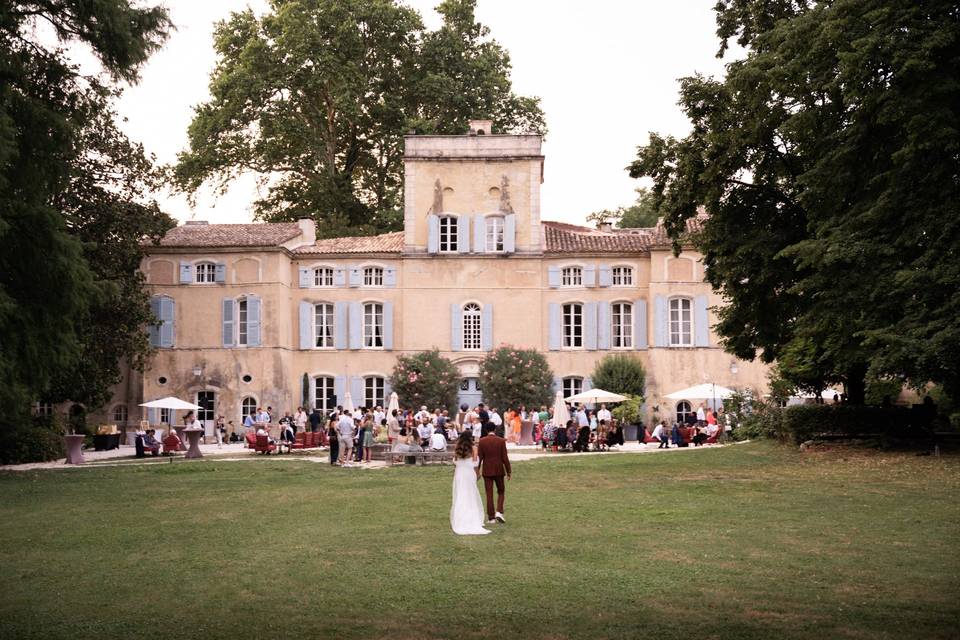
pixel 803 422
pixel 426 379
pixel 620 373
pixel 40 441
pixel 512 376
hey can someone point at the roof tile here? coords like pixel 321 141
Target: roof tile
pixel 263 234
pixel 383 243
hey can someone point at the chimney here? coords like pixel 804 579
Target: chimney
pixel 308 229
pixel 196 222
pixel 481 127
pixel 605 226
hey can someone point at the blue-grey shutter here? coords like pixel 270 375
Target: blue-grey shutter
pixel 340 388
pixel 640 324
pixel 356 325
pixel 339 277
pixel 553 277
pixel 340 325
pixel 356 276
pixel 590 326
pixel 153 415
pixel 433 233
pixel 589 276
pixel 701 325
pixel 510 233
pixel 186 273
pixel 226 324
pixel 463 234
pixel 553 335
pixel 308 338
pixel 456 327
pixel 486 327
pixel 154 328
pixel 167 315
pixel 479 234
pixel 557 384
pixel 603 325
pixel 587 384
pixel 306 281
pixel 253 321
pixel 606 275
pixel 388 325
pixel 661 327
pixel 390 277
pixel 356 390
pixel 220 272
pixel 387 390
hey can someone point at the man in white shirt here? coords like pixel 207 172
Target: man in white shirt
pixel 582 420
pixel 345 427
pixel 701 413
pixel 495 418
pixel 262 416
pixel 300 420
pixel 658 434
pixel 420 415
pixel 604 414
pixel 425 431
pixel 438 442
pixel 379 416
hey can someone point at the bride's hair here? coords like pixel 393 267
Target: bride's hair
pixel 464 447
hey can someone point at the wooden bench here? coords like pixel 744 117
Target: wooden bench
pixel 422 457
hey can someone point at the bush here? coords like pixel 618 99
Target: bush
pixel 804 422
pixel 761 420
pixel 512 376
pixel 426 379
pixel 40 441
pixel 620 373
pixel 629 411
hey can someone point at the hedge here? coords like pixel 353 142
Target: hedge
pixel 31 443
pixel 804 422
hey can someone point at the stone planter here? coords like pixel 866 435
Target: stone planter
pixel 630 432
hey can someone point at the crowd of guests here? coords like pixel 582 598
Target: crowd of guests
pixel 697 429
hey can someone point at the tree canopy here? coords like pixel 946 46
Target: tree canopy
pixel 642 213
pixel 827 160
pixel 315 96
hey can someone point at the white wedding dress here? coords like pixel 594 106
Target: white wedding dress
pixel 466 513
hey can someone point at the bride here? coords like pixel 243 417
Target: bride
pixel 466 513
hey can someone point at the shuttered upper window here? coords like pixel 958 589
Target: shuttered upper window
pixel 205 272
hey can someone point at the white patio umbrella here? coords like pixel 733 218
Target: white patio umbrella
pixel 705 391
pixel 170 403
pixel 594 396
pixel 393 404
pixel 348 402
pixel 560 412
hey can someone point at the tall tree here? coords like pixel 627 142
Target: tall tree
pixel 827 159
pixel 48 287
pixel 641 214
pixel 315 97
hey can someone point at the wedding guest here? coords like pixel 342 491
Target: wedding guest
pixel 675 435
pixel 604 414
pixel 425 431
pixel 315 419
pixel 334 440
pixel 150 442
pixel 300 420
pixel 368 437
pixel 438 441
pixel 393 428
pixel 660 434
pixel 346 432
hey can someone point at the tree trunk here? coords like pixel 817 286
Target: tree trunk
pixel 856 384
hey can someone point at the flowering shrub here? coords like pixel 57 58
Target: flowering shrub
pixel 426 378
pixel 512 376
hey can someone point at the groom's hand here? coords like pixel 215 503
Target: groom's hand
pixel 508 476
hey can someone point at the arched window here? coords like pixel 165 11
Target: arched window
pixel 323 277
pixel 373 325
pixel 205 272
pixel 323 325
pixel 622 276
pixel 681 322
pixel 572 385
pixel 120 414
pixel 373 276
pixel 572 325
pixel 471 327
pixel 448 234
pixel 683 410
pixel 373 392
pixel 571 277
pixel 323 398
pixel 248 407
pixel 621 315
pixel 494 234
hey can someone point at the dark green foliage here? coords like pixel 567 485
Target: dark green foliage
pixel 805 422
pixel 39 441
pixel 641 214
pixel 426 379
pixel 514 377
pixel 620 373
pixel 764 420
pixel 827 162
pixel 315 97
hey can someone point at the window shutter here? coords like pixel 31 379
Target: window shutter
pixel 510 233
pixel 305 279
pixel 308 338
pixel 339 389
pixel 463 234
pixel 220 272
pixel 606 275
pixel 356 390
pixel 553 336
pixel 661 327
pixel 167 313
pixel 486 328
pixel 589 276
pixel 640 324
pixel 590 326
pixel 153 415
pixel 479 233
pixel 388 325
pixel 154 329
pixel 227 321
pixel 553 277
pixel 603 325
pixel 356 276
pixel 586 384
pixel 186 273
pixel 557 384
pixel 456 327
pixel 253 321
pixel 356 325
pixel 701 325
pixel 387 390
pixel 340 325
pixel 339 277
pixel 433 233
pixel 389 277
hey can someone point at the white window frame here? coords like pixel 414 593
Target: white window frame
pixel 680 329
pixel 43 409
pixel 323 277
pixel 472 326
pixel 493 234
pixel 680 412
pixel 166 416
pixel 320 393
pixel 116 412
pixel 447 233
pixel 243 316
pixel 571 276
pixel 571 325
pixel 327 326
pixel 243 408
pixel 373 276
pixel 621 275
pixel 373 330
pixel 205 272
pixel 571 385
pixel 621 325
pixel 378 385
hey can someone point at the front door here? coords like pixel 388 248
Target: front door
pixel 206 402
pixel 470 393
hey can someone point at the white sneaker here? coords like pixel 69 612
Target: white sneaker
pixel 491 522
pixel 499 518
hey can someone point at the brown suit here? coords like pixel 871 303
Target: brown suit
pixel 494 463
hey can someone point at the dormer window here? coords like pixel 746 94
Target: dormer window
pixel 205 272
pixel 448 234
pixel 373 276
pixel 571 277
pixel 494 234
pixel 323 277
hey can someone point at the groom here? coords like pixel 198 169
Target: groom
pixel 494 463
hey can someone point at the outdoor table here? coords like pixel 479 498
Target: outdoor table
pixel 106 441
pixel 74 451
pixel 193 435
pixel 526 432
pixel 180 432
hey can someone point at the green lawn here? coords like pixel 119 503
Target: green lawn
pixel 751 541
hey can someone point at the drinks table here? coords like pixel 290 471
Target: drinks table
pixel 74 448
pixel 193 436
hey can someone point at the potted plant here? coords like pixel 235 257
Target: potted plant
pixel 629 414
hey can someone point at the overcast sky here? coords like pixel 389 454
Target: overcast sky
pixel 606 72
